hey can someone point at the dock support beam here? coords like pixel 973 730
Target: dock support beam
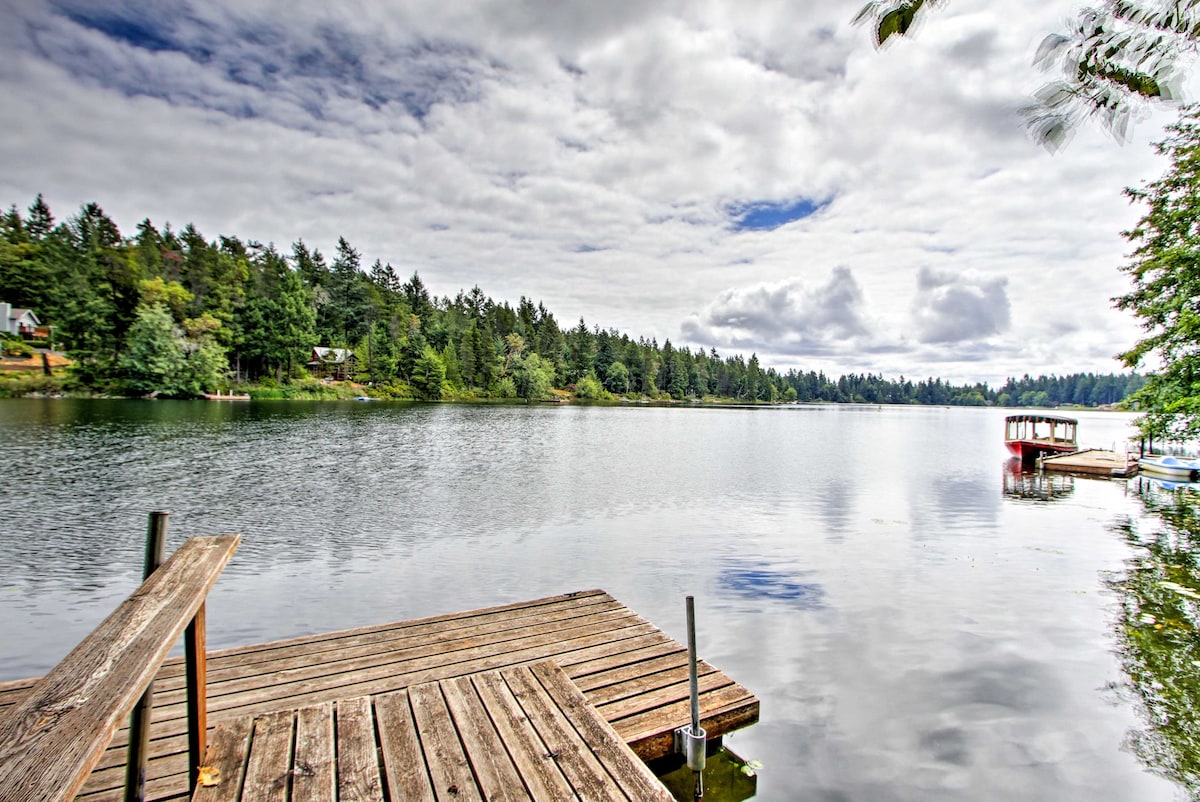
pixel 139 721
pixel 195 658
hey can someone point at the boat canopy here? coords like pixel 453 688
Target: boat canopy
pixel 1035 418
pixel 1040 428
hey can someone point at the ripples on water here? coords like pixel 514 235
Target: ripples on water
pixel 919 622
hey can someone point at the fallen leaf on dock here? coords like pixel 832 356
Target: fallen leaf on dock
pixel 208 776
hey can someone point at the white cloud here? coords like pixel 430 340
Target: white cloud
pixel 951 308
pixel 586 154
pixel 787 318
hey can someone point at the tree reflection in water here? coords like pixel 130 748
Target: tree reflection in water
pixel 1023 484
pixel 1157 631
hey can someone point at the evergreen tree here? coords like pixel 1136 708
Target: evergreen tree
pixel 429 375
pixel 581 352
pixel 550 344
pixel 751 387
pixel 25 276
pixel 40 222
pixel 277 323
pixel 350 307
pixel 1166 287
pixel 13 227
pixel 466 356
pixel 414 348
pixel 418 299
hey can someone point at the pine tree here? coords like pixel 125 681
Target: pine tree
pixel 40 222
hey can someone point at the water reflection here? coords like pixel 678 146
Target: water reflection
pixel 1156 631
pixel 760 581
pixel 727 778
pixel 911 633
pixel 1035 485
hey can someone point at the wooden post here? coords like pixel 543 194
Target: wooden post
pixel 139 722
pixel 197 696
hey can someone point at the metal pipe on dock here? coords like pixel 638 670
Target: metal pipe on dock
pixel 694 738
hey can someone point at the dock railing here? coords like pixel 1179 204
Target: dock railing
pixel 53 738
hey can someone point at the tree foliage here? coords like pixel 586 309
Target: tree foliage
pixel 153 359
pixel 429 375
pixel 1112 60
pixel 533 377
pixel 1165 272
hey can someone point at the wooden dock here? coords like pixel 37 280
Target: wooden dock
pixel 631 674
pixel 1092 462
pixel 524 733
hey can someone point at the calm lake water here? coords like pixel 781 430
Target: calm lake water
pixel 919 623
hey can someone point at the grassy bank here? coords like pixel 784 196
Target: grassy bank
pixel 19 385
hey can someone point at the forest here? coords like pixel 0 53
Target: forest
pixel 175 314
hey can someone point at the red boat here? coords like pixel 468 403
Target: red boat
pixel 1029 436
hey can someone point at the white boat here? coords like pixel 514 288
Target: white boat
pixel 1184 470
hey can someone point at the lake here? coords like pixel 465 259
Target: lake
pixel 919 622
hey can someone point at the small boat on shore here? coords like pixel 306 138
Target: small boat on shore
pixel 1181 470
pixel 1028 436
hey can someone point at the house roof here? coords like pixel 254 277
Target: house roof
pixel 17 314
pixel 331 355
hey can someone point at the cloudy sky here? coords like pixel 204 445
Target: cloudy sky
pixel 749 175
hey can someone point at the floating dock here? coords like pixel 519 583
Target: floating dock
pixel 631 677
pixel 1092 462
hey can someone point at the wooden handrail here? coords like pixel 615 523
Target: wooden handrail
pixel 51 740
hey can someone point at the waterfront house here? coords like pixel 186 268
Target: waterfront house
pixel 335 363
pixel 19 322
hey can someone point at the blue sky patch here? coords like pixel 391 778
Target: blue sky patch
pixel 137 32
pixel 770 215
pixel 182 32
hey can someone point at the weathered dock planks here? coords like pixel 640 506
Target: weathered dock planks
pixel 523 734
pixel 633 675
pixel 1092 462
